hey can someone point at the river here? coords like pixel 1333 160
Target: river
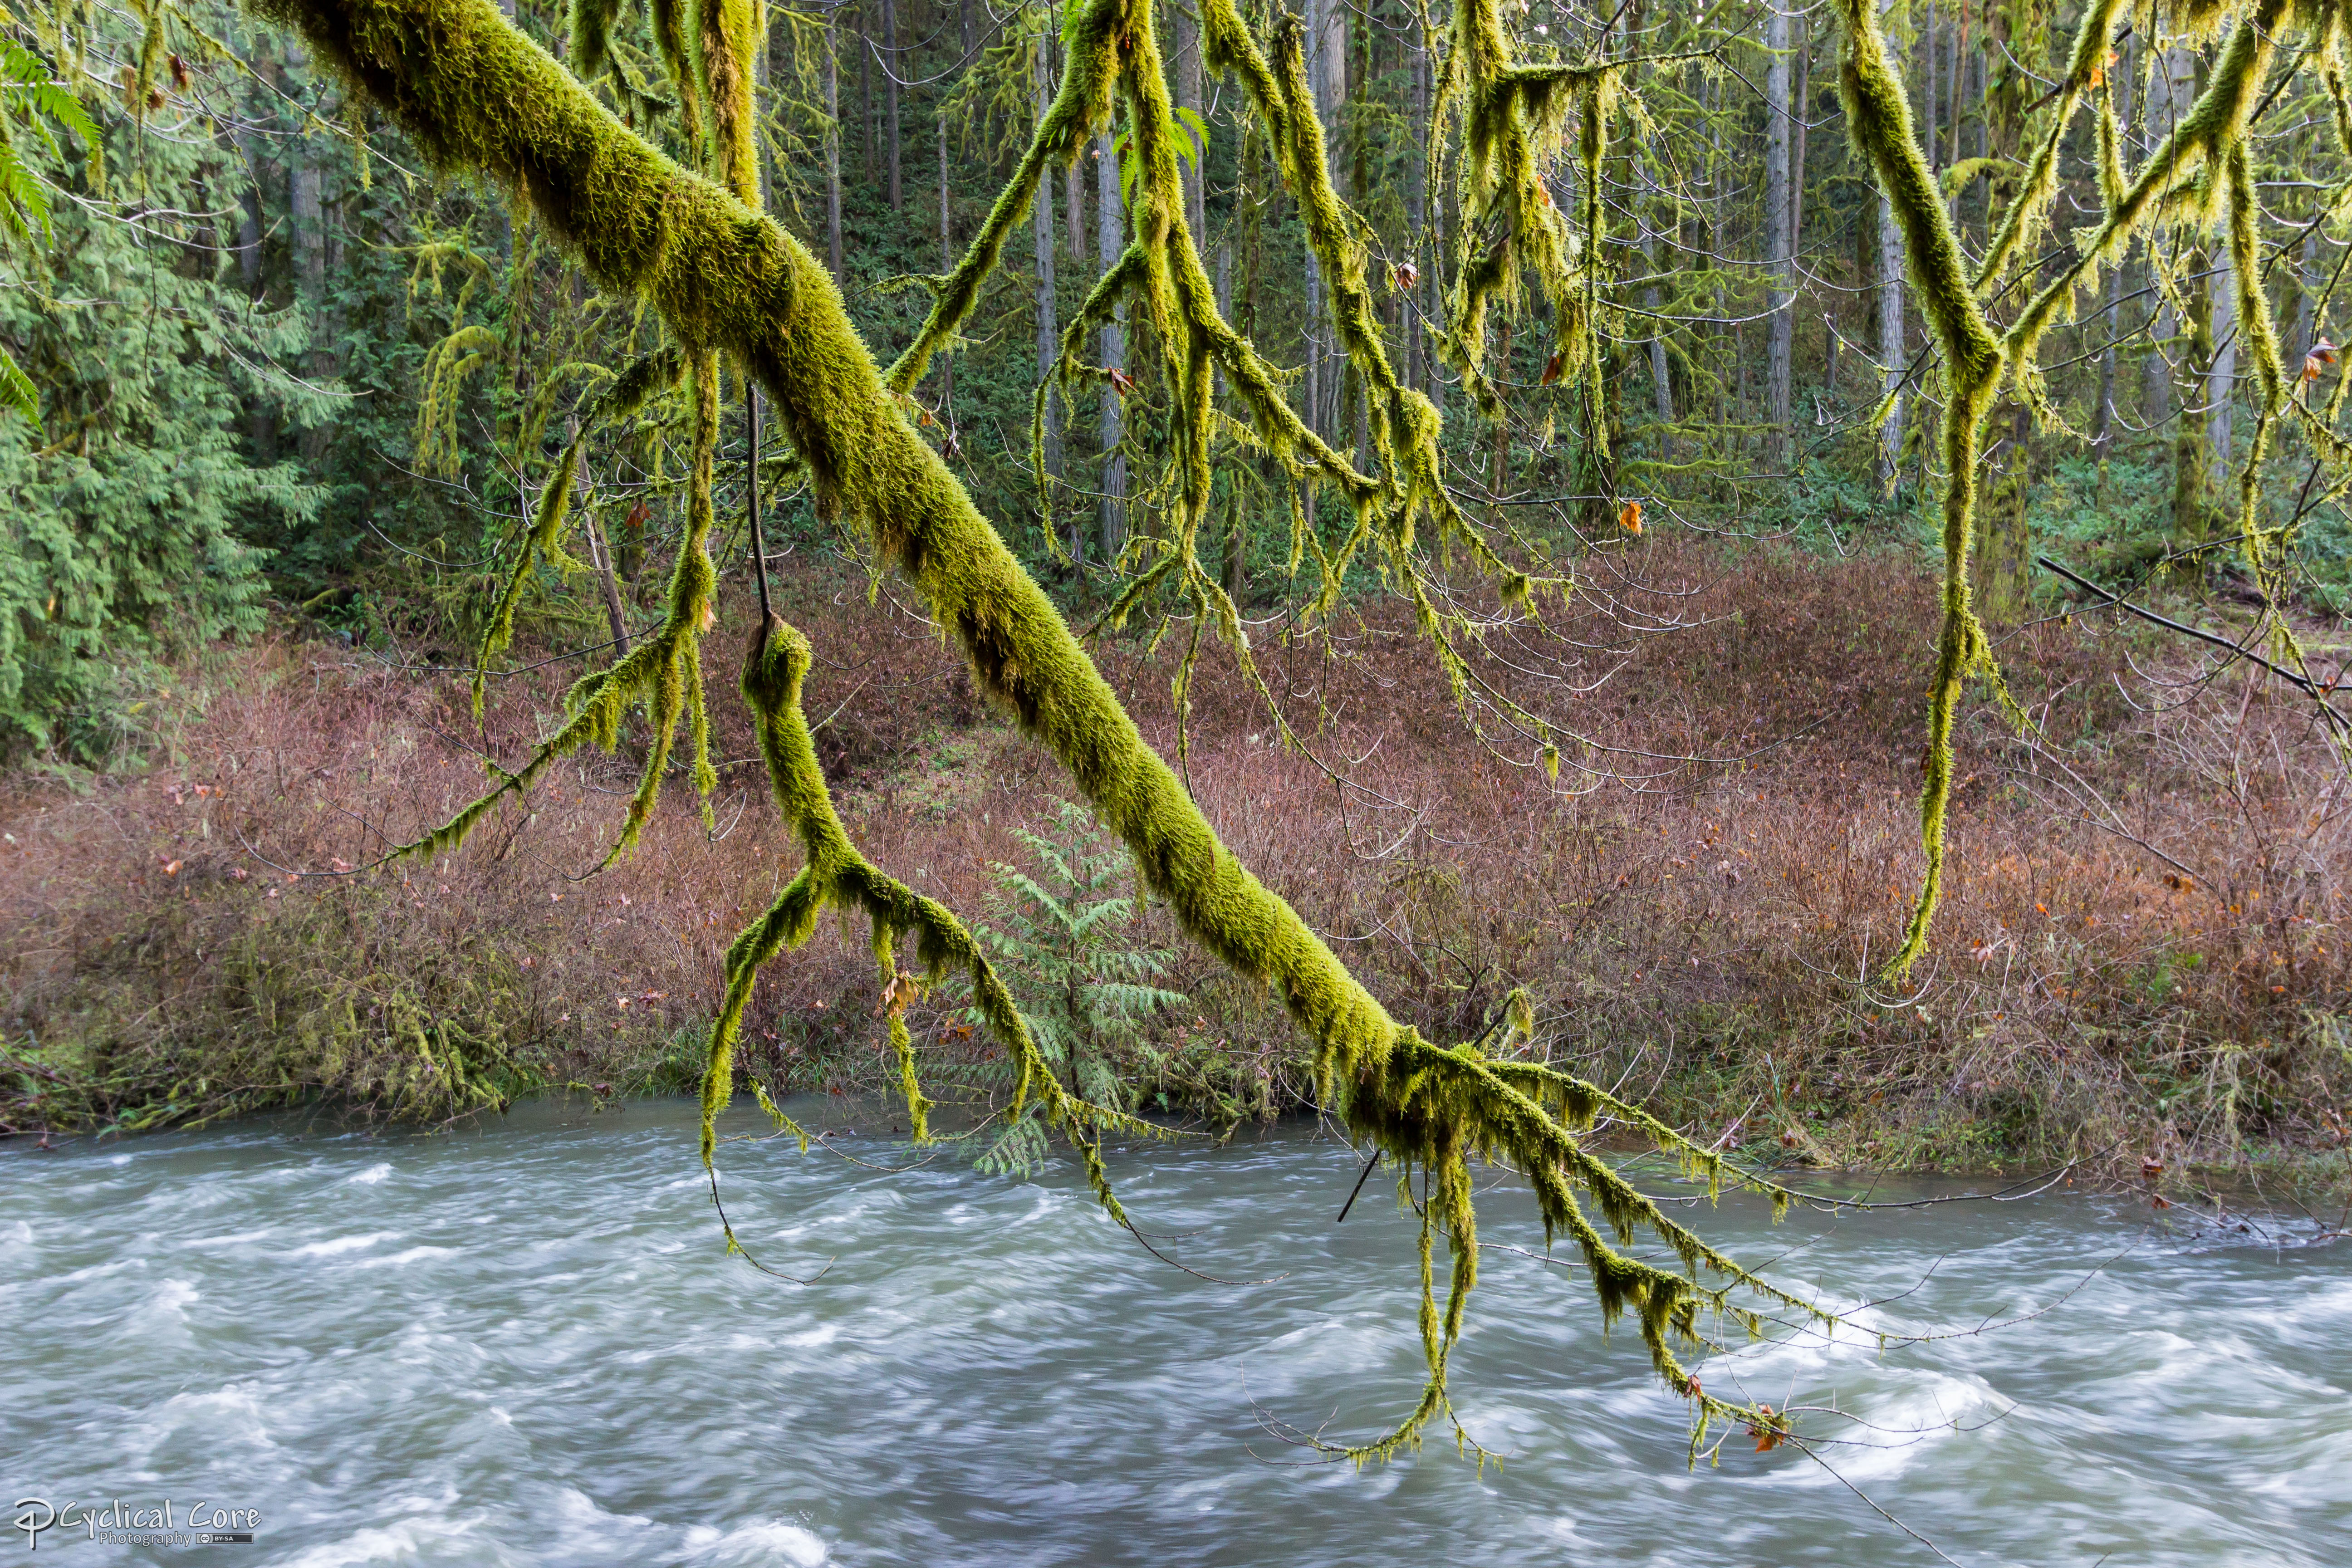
pixel 523 1343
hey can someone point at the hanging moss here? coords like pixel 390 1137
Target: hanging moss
pixel 2201 168
pixel 543 543
pixel 474 93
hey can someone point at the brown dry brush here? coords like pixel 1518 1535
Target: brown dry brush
pixel 2144 956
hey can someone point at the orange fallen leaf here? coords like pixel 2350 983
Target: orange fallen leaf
pixel 172 867
pixel 1405 274
pixel 1120 380
pixel 1629 517
pixel 1551 369
pixel 1767 1433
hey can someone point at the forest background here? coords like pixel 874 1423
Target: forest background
pixel 285 400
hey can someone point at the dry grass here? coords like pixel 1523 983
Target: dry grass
pixel 2141 953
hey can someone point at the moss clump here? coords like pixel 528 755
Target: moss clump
pixel 473 92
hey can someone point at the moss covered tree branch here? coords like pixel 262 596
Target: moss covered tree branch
pixel 474 93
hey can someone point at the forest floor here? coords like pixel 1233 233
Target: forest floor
pixel 2141 961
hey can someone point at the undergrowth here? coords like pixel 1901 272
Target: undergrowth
pixel 2164 981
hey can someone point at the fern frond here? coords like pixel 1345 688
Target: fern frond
pixel 17 391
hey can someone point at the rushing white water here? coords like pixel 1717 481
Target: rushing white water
pixel 523 1344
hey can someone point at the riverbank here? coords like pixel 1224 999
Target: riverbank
pixel 2140 958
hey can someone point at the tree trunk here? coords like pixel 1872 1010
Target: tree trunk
pixel 600 550
pixel 306 225
pixel 1417 205
pixel 1312 383
pixel 947 265
pixel 1232 564
pixel 305 228
pixel 1892 353
pixel 833 149
pixel 1073 202
pixel 1797 130
pixel 2307 281
pixel 865 101
pixel 248 233
pixel 1332 105
pixel 763 48
pixel 2221 377
pixel 2191 457
pixel 1662 386
pixel 1779 281
pixel 2005 556
pixel 890 94
pixel 2102 436
pixel 1049 332
pixel 261 420
pixel 1187 36
pixel 1955 91
pixel 1926 52
pixel 1111 240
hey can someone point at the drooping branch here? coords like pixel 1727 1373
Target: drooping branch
pixel 474 93
pixel 1878 118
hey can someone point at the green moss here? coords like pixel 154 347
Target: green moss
pixel 473 92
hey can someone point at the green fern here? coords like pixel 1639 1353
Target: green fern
pixel 31 99
pixel 1063 936
pixel 16 389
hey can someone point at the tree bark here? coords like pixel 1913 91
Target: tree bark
pixel 1798 103
pixel 1188 95
pixel 2306 301
pixel 947 265
pixel 1892 353
pixel 865 137
pixel 1955 91
pixel 600 550
pixel 1662 386
pixel 890 94
pixel 1049 332
pixel 1074 203
pixel 2221 376
pixel 2165 82
pixel 1111 239
pixel 2103 436
pixel 1780 279
pixel 1417 205
pixel 1312 331
pixel 833 150
pixel 2191 454
pixel 1927 95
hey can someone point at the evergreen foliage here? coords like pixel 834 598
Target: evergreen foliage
pixel 133 505
pixel 411 450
